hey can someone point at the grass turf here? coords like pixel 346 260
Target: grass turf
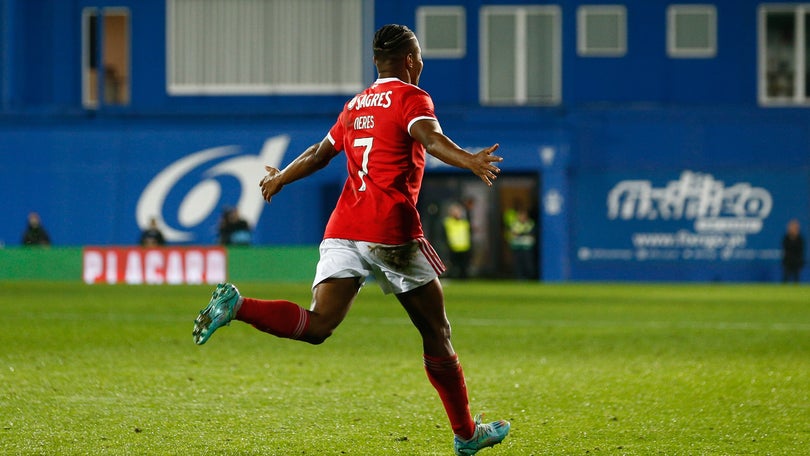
pixel 577 368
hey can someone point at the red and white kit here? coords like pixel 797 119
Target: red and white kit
pixel 378 202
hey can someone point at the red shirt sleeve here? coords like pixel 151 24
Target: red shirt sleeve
pixel 417 106
pixel 337 132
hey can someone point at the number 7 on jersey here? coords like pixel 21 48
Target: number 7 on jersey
pixel 363 172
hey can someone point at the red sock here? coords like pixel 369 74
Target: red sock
pixel 279 318
pixel 446 376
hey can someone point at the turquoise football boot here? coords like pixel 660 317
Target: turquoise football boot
pixel 486 435
pixel 221 309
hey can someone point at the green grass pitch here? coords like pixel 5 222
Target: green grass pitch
pixel 637 369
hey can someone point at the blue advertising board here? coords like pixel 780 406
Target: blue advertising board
pixel 669 224
pixel 97 185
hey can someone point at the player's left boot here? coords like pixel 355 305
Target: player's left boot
pixel 486 435
pixel 220 311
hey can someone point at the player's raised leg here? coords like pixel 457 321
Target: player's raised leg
pixel 331 301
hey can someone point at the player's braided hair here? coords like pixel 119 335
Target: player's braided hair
pixel 392 41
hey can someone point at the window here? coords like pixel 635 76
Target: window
pixel 602 31
pixel 105 57
pixel 220 47
pixel 784 44
pixel 691 31
pixel 520 55
pixel 441 31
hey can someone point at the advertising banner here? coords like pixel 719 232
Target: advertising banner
pixel 154 266
pixel 690 219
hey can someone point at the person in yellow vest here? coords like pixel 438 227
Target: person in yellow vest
pixel 522 240
pixel 457 234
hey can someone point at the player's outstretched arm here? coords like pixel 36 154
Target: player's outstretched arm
pixel 314 158
pixel 429 133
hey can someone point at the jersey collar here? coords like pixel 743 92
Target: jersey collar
pixel 384 80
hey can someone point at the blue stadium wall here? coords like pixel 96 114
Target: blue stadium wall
pixel 651 168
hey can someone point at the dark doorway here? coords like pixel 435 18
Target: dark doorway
pixel 485 208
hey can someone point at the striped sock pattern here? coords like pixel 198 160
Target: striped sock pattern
pixel 277 317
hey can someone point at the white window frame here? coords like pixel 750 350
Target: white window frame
pixel 799 96
pixel 292 87
pixel 521 95
pixel 422 14
pixel 672 40
pixel 582 30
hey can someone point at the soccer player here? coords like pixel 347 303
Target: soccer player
pixel 375 228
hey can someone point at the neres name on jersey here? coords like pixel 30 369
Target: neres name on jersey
pixel 364 122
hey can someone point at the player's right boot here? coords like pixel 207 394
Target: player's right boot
pixel 486 435
pixel 221 309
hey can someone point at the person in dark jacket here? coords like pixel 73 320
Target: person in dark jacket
pixel 233 229
pixel 35 233
pixel 152 236
pixel 792 252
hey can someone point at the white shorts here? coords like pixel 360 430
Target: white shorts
pixel 397 268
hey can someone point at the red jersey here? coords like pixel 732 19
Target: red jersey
pixel 385 164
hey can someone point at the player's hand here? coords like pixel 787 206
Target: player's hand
pixel 483 164
pixel 271 183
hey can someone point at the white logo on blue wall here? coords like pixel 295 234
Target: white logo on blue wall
pixel 695 196
pixel 205 196
pixel 654 221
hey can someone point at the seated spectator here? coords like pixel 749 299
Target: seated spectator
pixel 233 229
pixel 152 236
pixel 34 233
